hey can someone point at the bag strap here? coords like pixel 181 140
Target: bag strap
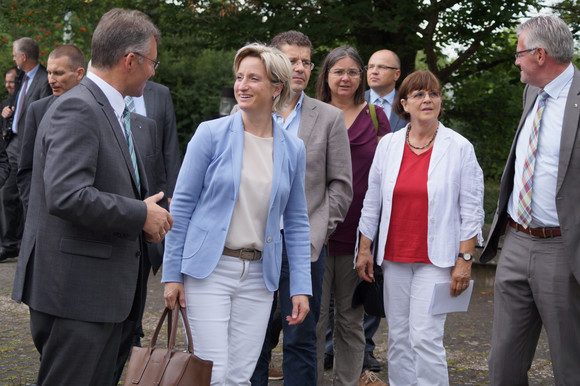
pixel 374 116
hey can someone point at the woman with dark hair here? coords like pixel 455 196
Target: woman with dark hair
pixel 340 83
pixel 426 189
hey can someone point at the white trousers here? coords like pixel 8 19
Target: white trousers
pixel 228 313
pixel 416 355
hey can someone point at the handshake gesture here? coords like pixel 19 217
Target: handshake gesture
pixel 158 221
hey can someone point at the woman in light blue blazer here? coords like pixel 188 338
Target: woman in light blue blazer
pixel 241 175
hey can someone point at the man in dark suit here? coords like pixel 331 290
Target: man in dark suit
pixel 79 267
pixel 157 105
pixel 31 86
pixel 538 274
pixel 328 187
pixel 383 71
pixel 66 68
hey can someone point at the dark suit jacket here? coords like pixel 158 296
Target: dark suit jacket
pixel 145 134
pixel 567 185
pixel 34 115
pixel 81 247
pixel 159 107
pixel 4 163
pixel 394 120
pixel 39 88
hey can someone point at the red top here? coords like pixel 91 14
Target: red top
pixel 407 238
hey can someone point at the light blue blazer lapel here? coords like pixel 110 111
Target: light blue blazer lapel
pixel 237 150
pixel 279 157
pixel 570 128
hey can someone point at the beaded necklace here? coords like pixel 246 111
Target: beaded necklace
pixel 424 146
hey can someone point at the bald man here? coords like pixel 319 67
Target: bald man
pixel 383 71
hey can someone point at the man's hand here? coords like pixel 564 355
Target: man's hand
pixel 158 221
pixel 7 112
pixel 300 307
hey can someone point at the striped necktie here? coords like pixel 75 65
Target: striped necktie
pixel 130 104
pixel 129 138
pixel 525 197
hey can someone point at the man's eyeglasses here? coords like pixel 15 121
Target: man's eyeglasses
pixel 353 74
pixel 155 62
pixel 379 67
pixel 305 63
pixel 520 53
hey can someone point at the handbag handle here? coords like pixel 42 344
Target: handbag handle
pixel 173 316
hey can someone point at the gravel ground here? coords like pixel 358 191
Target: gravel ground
pixel 467 336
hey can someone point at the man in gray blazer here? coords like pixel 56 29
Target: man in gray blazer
pixel 328 189
pixel 162 161
pixel 79 267
pixel 383 71
pixel 538 274
pixel 31 85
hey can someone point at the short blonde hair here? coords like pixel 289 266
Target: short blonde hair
pixel 278 69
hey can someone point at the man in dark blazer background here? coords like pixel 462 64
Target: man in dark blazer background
pixel 164 162
pixel 79 267
pixel 383 71
pixel 31 85
pixel 65 67
pixel 538 274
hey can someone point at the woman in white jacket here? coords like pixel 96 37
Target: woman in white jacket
pixel 426 189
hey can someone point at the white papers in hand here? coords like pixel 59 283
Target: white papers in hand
pixel 442 302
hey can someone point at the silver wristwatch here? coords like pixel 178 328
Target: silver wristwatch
pixel 465 256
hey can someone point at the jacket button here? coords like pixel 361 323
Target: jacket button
pixel 269 240
pixel 138 254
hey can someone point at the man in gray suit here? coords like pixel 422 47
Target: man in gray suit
pixel 383 71
pixel 79 266
pixel 538 274
pixel 32 85
pixel 328 189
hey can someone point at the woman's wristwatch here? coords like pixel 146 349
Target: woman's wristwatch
pixel 465 256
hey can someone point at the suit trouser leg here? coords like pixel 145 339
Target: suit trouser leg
pixel 11 211
pixel 349 341
pixel 534 285
pixel 74 352
pixel 299 364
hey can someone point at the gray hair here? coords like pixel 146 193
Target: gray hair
pixel 28 47
pixel 552 34
pixel 120 32
pixel 277 65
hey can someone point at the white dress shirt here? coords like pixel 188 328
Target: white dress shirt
pixel 544 212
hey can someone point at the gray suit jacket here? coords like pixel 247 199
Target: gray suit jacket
pixel 567 185
pixel 159 107
pixel 39 88
pixel 81 247
pixel 328 183
pixel 394 120
pixel 34 115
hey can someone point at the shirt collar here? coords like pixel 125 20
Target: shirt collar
pixel 390 97
pixel 113 96
pixel 554 88
pixel 33 72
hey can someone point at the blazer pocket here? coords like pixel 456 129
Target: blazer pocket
pixel 194 240
pixel 88 248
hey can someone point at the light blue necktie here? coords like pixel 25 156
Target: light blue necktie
pixel 129 138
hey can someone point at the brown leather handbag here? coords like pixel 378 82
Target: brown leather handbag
pixel 166 366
